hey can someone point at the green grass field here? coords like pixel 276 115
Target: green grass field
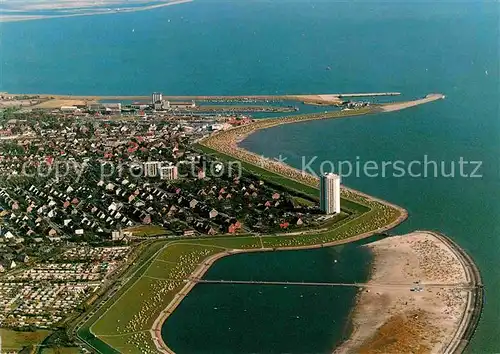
pixel 133 274
pixel 147 231
pixel 349 227
pixel 303 202
pixel 266 175
pixel 62 350
pixel 228 242
pixel 15 341
pixel 132 313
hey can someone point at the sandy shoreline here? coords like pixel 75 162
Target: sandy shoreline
pixel 389 319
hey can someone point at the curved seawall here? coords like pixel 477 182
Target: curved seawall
pixel 472 315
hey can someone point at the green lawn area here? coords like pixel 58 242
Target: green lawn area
pixel 147 231
pixel 136 309
pixel 147 293
pixel 229 242
pixel 62 350
pixel 134 273
pixel 129 343
pixel 131 312
pixel 15 341
pixel 160 269
pixel 183 262
pixel 303 202
pixel 266 175
pixel 176 251
pixel 347 228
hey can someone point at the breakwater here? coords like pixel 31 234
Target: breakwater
pixel 372 94
pixel 470 318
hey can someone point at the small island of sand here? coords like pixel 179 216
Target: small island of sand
pixel 424 296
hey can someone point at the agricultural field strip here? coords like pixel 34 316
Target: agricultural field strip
pixel 128 288
pixel 163 261
pixel 124 334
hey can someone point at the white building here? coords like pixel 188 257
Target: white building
pixel 156 169
pixel 182 105
pixel 139 105
pixel 151 169
pixel 156 97
pixel 117 235
pixel 69 109
pixel 169 173
pixel 329 199
pixel 112 108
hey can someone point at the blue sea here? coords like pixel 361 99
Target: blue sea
pixel 266 47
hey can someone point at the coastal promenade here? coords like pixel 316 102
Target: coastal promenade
pixel 226 142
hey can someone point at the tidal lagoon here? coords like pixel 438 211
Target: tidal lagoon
pixel 235 47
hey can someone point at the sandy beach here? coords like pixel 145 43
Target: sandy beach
pixel 391 318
